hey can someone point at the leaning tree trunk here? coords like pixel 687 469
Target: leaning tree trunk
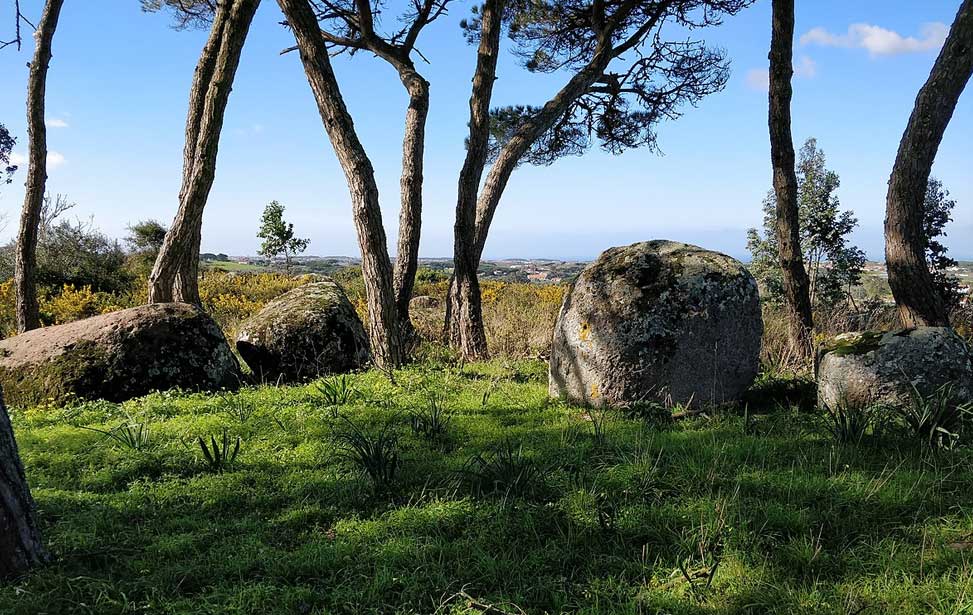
pixel 20 541
pixel 25 268
pixel 410 215
pixel 174 277
pixel 918 300
pixel 383 329
pixel 796 283
pixel 464 323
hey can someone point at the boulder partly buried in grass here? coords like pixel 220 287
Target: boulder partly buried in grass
pixel 118 356
pixel 307 332
pixel 657 321
pixel 858 370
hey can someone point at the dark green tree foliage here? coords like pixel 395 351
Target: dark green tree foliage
pixel 937 213
pixel 623 107
pixel 833 265
pixel 278 235
pixel 7 142
pixel 186 13
pixel 144 240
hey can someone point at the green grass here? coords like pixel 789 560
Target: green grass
pixel 235 266
pixel 518 508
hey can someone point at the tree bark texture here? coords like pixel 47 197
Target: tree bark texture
pixel 919 302
pixel 384 333
pixel 410 214
pixel 174 276
pixel 796 283
pixel 464 320
pixel 25 267
pixel 20 542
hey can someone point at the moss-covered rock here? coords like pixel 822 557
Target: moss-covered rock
pixel 881 368
pixel 658 321
pixel 307 332
pixel 118 356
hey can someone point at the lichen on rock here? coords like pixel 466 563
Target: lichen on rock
pixel 118 356
pixel 885 368
pixel 309 331
pixel 657 321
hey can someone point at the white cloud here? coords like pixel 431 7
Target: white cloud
pixel 56 123
pixel 758 79
pixel 54 159
pixel 879 41
pixel 805 68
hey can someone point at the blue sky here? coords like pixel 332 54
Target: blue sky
pixel 119 83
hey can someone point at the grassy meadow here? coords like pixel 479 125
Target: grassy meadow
pixel 465 489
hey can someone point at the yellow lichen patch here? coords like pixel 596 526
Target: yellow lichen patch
pixel 595 392
pixel 584 332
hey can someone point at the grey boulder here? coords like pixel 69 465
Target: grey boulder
pixel 307 332
pixel 657 321
pixel 118 356
pixel 872 368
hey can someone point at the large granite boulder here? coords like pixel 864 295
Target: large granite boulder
pixel 873 368
pixel 657 321
pixel 306 332
pixel 118 356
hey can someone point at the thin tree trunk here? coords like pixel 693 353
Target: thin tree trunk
pixel 797 286
pixel 20 540
pixel 384 332
pixel 464 317
pixel 918 300
pixel 410 214
pixel 174 277
pixel 25 268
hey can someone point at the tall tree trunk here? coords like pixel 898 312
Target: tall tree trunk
pixel 174 277
pixel 384 332
pixel 464 317
pixel 918 300
pixel 796 283
pixel 20 541
pixel 410 214
pixel 468 317
pixel 25 268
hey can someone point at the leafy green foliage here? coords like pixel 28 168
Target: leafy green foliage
pixel 833 265
pixel 220 454
pixel 374 453
pixel 506 470
pixel 144 241
pixel 335 391
pixel 278 235
pixel 634 92
pixel 133 435
pixel 432 420
pixel 847 423
pixel 936 419
pixel 937 213
pixel 7 142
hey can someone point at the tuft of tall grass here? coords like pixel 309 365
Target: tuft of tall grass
pixel 375 454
